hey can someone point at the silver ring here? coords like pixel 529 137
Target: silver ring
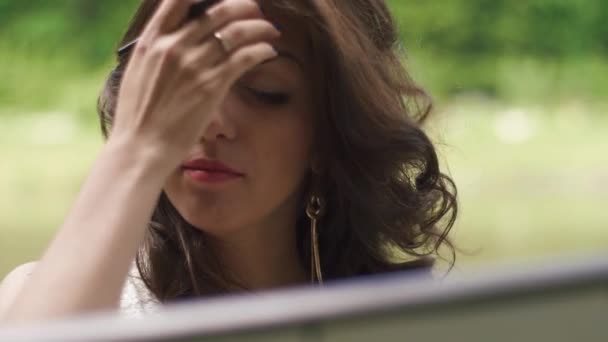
pixel 220 38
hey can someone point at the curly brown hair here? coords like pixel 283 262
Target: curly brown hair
pixel 389 206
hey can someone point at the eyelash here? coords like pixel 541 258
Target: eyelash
pixel 269 98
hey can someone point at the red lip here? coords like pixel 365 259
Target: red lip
pixel 210 172
pixel 211 166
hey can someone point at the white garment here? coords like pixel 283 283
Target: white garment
pixel 136 300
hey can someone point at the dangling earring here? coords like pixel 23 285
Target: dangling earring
pixel 315 210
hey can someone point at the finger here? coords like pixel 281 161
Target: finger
pixel 207 54
pixel 245 32
pixel 245 59
pixel 168 16
pixel 232 10
pixel 233 37
pixel 218 16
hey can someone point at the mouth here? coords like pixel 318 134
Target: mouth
pixel 210 171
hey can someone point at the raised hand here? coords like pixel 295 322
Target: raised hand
pixel 179 73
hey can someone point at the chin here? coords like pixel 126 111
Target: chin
pixel 207 211
pixel 213 222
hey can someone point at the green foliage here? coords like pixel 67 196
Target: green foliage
pixel 86 31
pixel 536 50
pixel 498 48
pixel 539 28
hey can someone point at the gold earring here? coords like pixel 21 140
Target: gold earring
pixel 315 210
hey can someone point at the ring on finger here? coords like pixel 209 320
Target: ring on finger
pixel 220 38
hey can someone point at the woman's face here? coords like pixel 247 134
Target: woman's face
pixel 263 132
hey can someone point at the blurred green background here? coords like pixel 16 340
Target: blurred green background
pixel 520 118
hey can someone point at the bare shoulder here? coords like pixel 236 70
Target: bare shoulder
pixel 17 276
pixel 12 284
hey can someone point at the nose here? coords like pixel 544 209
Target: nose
pixel 221 126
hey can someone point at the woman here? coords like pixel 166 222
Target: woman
pixel 259 145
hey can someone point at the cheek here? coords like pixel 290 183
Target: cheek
pixel 286 160
pixel 288 145
pixel 283 150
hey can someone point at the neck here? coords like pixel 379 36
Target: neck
pixel 264 255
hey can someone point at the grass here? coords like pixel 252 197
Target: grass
pixel 533 181
pixel 46 158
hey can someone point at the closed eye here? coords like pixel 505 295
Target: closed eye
pixel 269 98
